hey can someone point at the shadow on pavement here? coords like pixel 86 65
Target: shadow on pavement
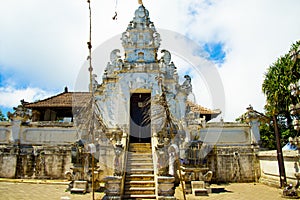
pixel 220 190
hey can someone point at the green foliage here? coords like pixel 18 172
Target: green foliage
pixel 279 76
pixel 2 117
pixel 267 136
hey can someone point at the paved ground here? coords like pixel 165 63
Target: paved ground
pixel 237 191
pixel 52 190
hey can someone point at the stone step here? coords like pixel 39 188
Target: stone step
pixel 79 187
pixel 139 190
pixel 139 165
pixel 139 177
pixel 78 190
pixel 140 147
pixel 139 155
pixel 139 160
pixel 139 196
pixel 140 151
pixel 140 171
pixel 139 144
pixel 140 183
pixel 136 167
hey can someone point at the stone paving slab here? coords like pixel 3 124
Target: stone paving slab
pixel 237 191
pixel 12 190
pixel 37 191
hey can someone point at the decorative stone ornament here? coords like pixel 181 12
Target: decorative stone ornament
pixel 140 40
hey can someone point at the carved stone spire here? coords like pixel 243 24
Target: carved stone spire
pixel 140 40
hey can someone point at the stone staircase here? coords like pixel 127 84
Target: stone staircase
pixel 139 180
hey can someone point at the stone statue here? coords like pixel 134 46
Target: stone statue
pixel 109 69
pixel 125 38
pixel 118 160
pixel 114 57
pixel 173 151
pixel 207 177
pixel 20 113
pixel 130 26
pixel 170 70
pixel 166 58
pixel 186 86
pixel 161 160
pixel 156 37
pixel 94 81
pixel 151 25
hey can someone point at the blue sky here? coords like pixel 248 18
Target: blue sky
pixel 43 45
pixel 215 52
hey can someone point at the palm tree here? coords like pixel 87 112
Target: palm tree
pixel 279 76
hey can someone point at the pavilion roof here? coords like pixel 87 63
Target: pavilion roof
pixel 62 100
pixel 202 110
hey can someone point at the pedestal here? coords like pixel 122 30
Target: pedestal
pixel 165 186
pixel 112 187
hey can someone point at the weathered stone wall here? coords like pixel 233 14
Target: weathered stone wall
pixel 8 161
pixel 39 150
pixel 231 155
pixel 234 164
pixel 269 167
pixel 36 162
pixel 44 151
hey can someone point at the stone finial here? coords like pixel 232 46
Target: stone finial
pixel 140 40
pixel 20 114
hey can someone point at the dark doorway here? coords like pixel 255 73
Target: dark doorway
pixel 140 128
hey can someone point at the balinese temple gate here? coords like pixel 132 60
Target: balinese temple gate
pixel 136 134
pixel 143 107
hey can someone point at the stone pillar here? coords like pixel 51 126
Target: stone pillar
pixel 255 135
pixel 16 126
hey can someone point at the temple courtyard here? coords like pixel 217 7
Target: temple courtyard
pixel 35 189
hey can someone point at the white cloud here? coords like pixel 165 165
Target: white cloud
pixel 254 33
pixel 10 97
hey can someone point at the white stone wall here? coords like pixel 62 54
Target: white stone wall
pixel 269 167
pixel 46 135
pixel 5 134
pixel 37 135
